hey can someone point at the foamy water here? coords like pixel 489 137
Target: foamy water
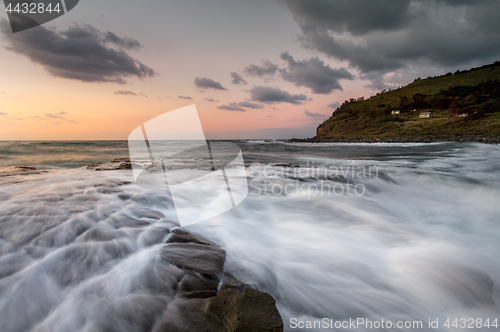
pixel 80 249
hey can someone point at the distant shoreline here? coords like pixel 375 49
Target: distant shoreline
pixel 469 139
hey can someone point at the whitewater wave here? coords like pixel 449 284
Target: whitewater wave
pixel 79 249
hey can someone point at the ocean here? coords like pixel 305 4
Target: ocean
pixel 334 232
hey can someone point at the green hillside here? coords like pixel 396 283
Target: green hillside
pixel 464 104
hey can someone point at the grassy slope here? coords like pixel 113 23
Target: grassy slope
pixel 371 118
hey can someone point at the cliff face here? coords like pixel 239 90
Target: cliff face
pixel 462 104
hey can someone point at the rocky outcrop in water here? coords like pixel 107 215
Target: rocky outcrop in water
pixel 114 165
pixel 199 305
pixel 18 170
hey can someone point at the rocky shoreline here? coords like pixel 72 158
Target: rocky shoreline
pixel 18 170
pixel 474 139
pixel 203 297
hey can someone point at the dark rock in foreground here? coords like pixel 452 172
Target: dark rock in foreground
pixel 198 305
pixel 230 310
pixel 203 259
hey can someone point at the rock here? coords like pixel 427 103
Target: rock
pixel 231 282
pixel 204 259
pixel 114 166
pixel 18 170
pixel 118 160
pixel 198 304
pixel 231 310
pixel 180 235
pixel 92 166
pixel 192 282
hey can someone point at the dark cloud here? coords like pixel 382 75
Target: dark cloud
pixel 4 114
pixel 56 123
pixel 248 104
pixel 314 74
pixel 315 115
pixel 269 95
pixel 130 93
pixel 270 116
pixel 212 100
pixel 185 97
pixel 207 83
pixel 231 107
pixel 387 35
pixel 267 68
pixel 236 79
pixel 126 43
pixel 334 105
pixel 80 53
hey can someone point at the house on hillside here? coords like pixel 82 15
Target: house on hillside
pixel 425 115
pixel 395 112
pixel 361 98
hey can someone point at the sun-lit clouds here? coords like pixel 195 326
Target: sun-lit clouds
pixel 313 74
pixel 130 93
pixel 56 116
pixel 3 114
pixel 271 95
pixel 333 105
pixel 315 115
pixel 248 104
pixel 185 97
pixel 81 53
pixel 36 118
pixel 266 68
pixel 231 107
pixel 208 83
pixel 236 79
pixel 211 100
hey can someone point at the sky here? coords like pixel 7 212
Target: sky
pixel 256 69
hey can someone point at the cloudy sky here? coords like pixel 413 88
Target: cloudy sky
pixel 254 69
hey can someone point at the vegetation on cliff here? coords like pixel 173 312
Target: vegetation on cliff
pixel 464 104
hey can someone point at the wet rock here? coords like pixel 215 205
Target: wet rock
pixel 230 310
pixel 119 160
pixel 180 235
pixel 231 282
pixel 199 305
pixel 18 170
pixel 203 259
pixel 114 165
pixel 193 282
